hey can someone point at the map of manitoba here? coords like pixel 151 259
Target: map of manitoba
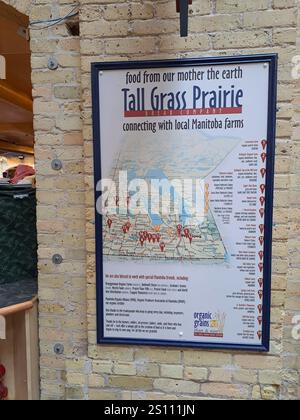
pixel 175 236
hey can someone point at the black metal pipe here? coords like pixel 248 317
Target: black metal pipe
pixel 184 11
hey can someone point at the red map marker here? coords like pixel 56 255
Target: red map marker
pixel 260 282
pixel 261 255
pixel 259 319
pixel 262 200
pixel 262 188
pixel 3 392
pixel 264 143
pixel 261 240
pixel 109 223
pixel 186 232
pixel 261 212
pixel 2 371
pixel 259 334
pixel 260 294
pixel 263 172
pixel 162 246
pixel 259 307
pixel 190 238
pixel 261 228
pixel 179 228
pixel 158 237
pixel 260 266
pixel 263 157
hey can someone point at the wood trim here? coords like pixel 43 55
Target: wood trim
pixel 2 327
pixel 16 127
pixel 9 94
pixel 11 147
pixel 32 353
pixel 10 310
pixel 10 13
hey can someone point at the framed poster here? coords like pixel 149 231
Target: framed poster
pixel 184 168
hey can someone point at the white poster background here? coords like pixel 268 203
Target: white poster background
pixel 209 285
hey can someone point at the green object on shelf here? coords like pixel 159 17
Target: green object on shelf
pixel 18 234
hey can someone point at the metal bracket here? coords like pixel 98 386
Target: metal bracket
pixel 56 164
pixel 57 259
pixel 58 349
pixel 52 63
pixel 182 7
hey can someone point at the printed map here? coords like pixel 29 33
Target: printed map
pixel 173 236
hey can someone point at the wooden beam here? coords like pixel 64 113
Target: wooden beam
pixel 9 94
pixel 11 147
pixel 9 12
pixel 14 309
pixel 32 352
pixel 25 128
pixel 178 5
pixel 2 327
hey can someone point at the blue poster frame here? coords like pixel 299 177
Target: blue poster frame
pixel 272 61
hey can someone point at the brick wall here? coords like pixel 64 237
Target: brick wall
pixel 125 30
pixel 291 347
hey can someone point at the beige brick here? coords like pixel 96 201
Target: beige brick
pixel 257 362
pixel 225 390
pixel 111 353
pixel 220 375
pixel 245 376
pixel 284 36
pixel 241 39
pixel 171 43
pixel 180 386
pixel 206 358
pixel 269 393
pixel 95 381
pixel 103 28
pixel 267 19
pixel 269 377
pixel 130 46
pixel 75 378
pixel 241 6
pixel 256 393
pixel 166 9
pixel 101 394
pixel 125 369
pixel 150 370
pixel 131 382
pixel 195 373
pixel 158 355
pixel 151 27
pixel 74 393
pixel 215 23
pixel 171 371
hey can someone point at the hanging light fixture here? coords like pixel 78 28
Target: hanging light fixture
pixel 182 7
